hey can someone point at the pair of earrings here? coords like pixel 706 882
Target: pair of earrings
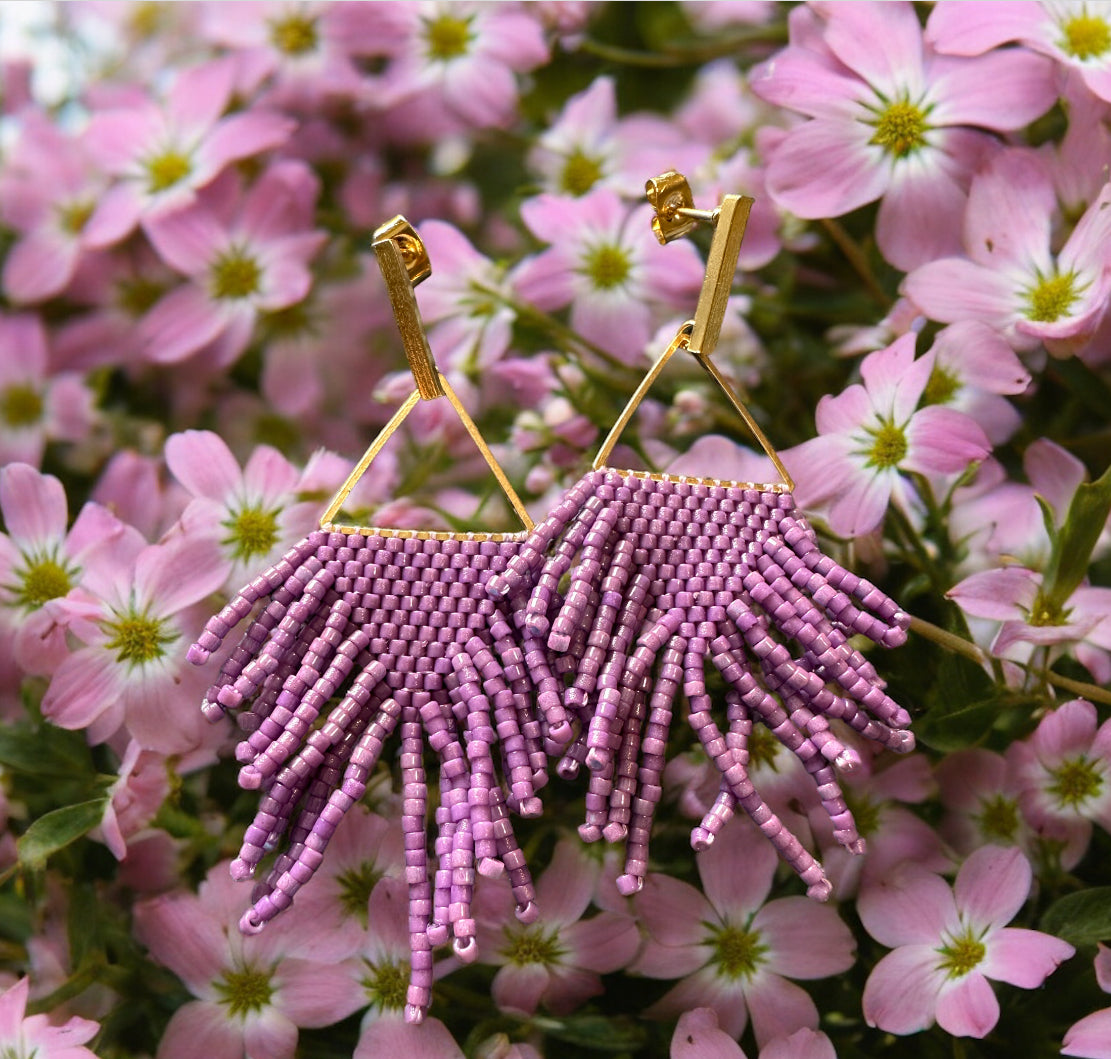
pixel 468 646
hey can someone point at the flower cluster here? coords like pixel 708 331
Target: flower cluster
pixel 195 346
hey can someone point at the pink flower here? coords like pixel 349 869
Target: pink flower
pixel 1014 596
pixel 870 434
pixel 1010 279
pixel 997 518
pixel 252 992
pixel 589 147
pixel 697 1036
pixel 243 257
pixel 134 798
pixel 557 958
pixel 36 407
pixel 891 120
pixel 308 51
pixel 1063 773
pixel 879 800
pixel 463 302
pixel 1090 1038
pixel 163 154
pixel 48 190
pixel 980 792
pixel 34 1035
pixel 973 367
pixel 383 977
pixel 605 263
pixel 1075 33
pixel 734 952
pixel 253 514
pixel 463 57
pixel 948 942
pixel 130 615
pixel 40 561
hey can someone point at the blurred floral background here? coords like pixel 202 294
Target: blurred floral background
pixel 196 345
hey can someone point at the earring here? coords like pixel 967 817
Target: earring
pixel 384 631
pixel 668 572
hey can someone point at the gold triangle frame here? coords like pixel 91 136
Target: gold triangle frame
pixel 404 262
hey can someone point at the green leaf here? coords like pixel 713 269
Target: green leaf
pixel 1082 918
pixel 598 1032
pixel 1072 550
pixel 45 750
pixel 58 829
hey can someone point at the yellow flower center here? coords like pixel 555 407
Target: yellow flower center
pixel 136 296
pixel 1075 781
pixel 1086 36
pixel 1045 612
pixel 941 386
pixel 737 952
pixel 900 129
pixel 961 955
pixel 998 819
pixel 245 991
pixel 867 812
pixel 386 984
pixel 763 749
pixel 889 446
pixel 21 406
pixel 137 639
pixel 580 173
pixel 355 887
pixel 532 945
pixel 294 35
pixel 41 580
pixel 73 216
pixel 1051 298
pixel 447 37
pixel 235 275
pixel 251 532
pixel 606 266
pixel 167 169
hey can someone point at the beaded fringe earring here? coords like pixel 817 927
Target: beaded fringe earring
pixel 667 572
pixel 385 630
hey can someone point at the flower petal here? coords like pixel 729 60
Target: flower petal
pixel 1002 595
pixel 697 1036
pixel 955 289
pixel 737 871
pixel 913 907
pixel 1090 1038
pixel 805 940
pixel 34 507
pixel 200 1028
pixel 778 1007
pixel 391 1035
pixel 313 993
pixel 563 892
pixel 825 168
pixel 183 936
pixel 1025 958
pixel 1000 91
pixel 967 1007
pixel 992 885
pixel 672 911
pixel 604 944
pixel 900 995
pixel 518 988
pixel 180 323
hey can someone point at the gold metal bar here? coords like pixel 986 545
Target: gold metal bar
pixel 677 343
pixel 392 241
pixel 487 455
pixel 720 268
pixel 746 415
pixel 376 446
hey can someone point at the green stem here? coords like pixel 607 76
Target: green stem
pixel 685 56
pixel 950 641
pixel 959 645
pixel 858 259
pixel 559 330
pixel 910 539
